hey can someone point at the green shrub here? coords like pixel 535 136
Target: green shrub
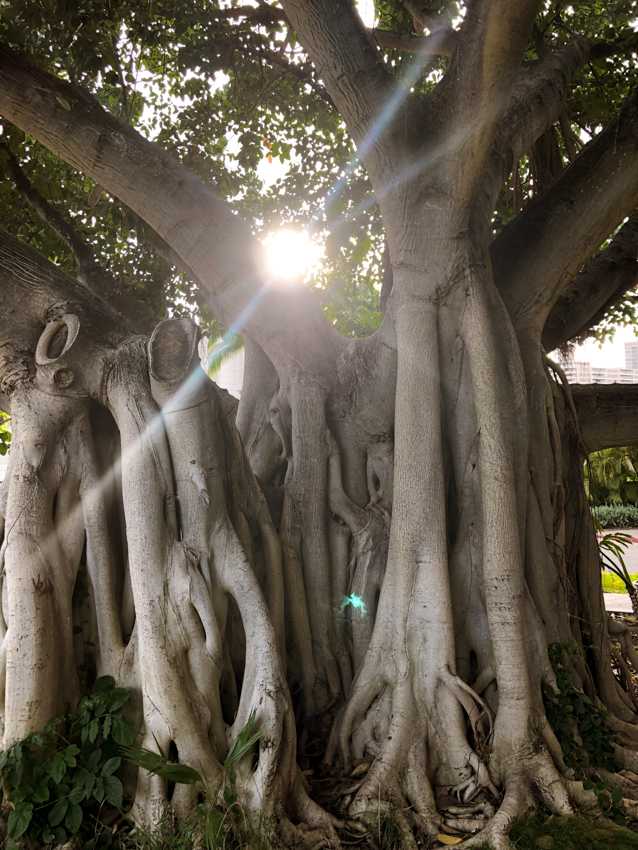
pixel 62 777
pixel 616 516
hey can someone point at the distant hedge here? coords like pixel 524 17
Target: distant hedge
pixel 617 516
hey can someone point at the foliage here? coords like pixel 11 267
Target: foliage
pixel 616 516
pixel 222 812
pixel 575 832
pixel 220 350
pixel 237 101
pixel 613 584
pixel 64 775
pixel 5 433
pixel 611 477
pixel 569 710
pixel 611 549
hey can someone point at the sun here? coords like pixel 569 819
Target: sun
pixel 290 253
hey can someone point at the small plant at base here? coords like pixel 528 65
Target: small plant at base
pixel 390 835
pixel 65 774
pixel 5 433
pixel 222 803
pixel 571 708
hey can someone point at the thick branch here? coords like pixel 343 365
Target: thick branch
pixel 82 253
pixel 440 43
pixel 217 245
pixel 476 89
pixel 607 414
pixel 542 250
pixel 602 283
pixel 426 18
pixel 536 103
pixel 88 270
pixel 346 59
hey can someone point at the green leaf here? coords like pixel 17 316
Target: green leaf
pixel 111 766
pixel 77 793
pixel 117 698
pixel 106 726
pixel 229 796
pixel 114 791
pixel 70 754
pixel 123 732
pixel 41 793
pixel 243 743
pixel 64 103
pixel 616 794
pixel 73 819
pixel 214 825
pixel 19 819
pixel 58 768
pixel 94 728
pixel 181 773
pixel 58 812
pixel 103 685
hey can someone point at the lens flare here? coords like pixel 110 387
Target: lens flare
pixel 355 602
pixel 290 254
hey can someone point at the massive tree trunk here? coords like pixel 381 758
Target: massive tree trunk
pixel 403 531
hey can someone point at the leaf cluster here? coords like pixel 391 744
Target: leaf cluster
pixel 61 777
pixel 616 516
pixel 611 477
pixel 221 809
pixel 5 433
pixel 580 726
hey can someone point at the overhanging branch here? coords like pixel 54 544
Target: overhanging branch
pixel 607 414
pixel 346 58
pixel 216 244
pixel 602 283
pixel 543 249
pixel 475 92
pixel 536 103
pixel 441 43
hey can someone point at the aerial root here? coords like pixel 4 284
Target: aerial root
pixel 477 782
pixel 476 708
pixel 537 781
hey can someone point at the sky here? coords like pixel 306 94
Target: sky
pixel 612 353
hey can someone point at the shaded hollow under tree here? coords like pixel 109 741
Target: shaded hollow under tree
pixel 433 470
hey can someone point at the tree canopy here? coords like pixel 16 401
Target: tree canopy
pixel 228 89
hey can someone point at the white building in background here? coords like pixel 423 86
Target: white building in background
pixel 580 372
pixel 631 355
pixel 230 376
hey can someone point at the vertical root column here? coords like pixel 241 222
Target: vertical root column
pixel 41 679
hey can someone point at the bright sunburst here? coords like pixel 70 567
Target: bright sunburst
pixel 290 254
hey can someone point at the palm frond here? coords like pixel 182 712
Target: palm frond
pixel 243 742
pixel 220 351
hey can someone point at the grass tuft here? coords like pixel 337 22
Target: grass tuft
pixel 539 831
pixel 613 584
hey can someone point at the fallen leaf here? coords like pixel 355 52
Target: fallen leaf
pixel 545 842
pixel 448 839
pixel 64 103
pixel 449 830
